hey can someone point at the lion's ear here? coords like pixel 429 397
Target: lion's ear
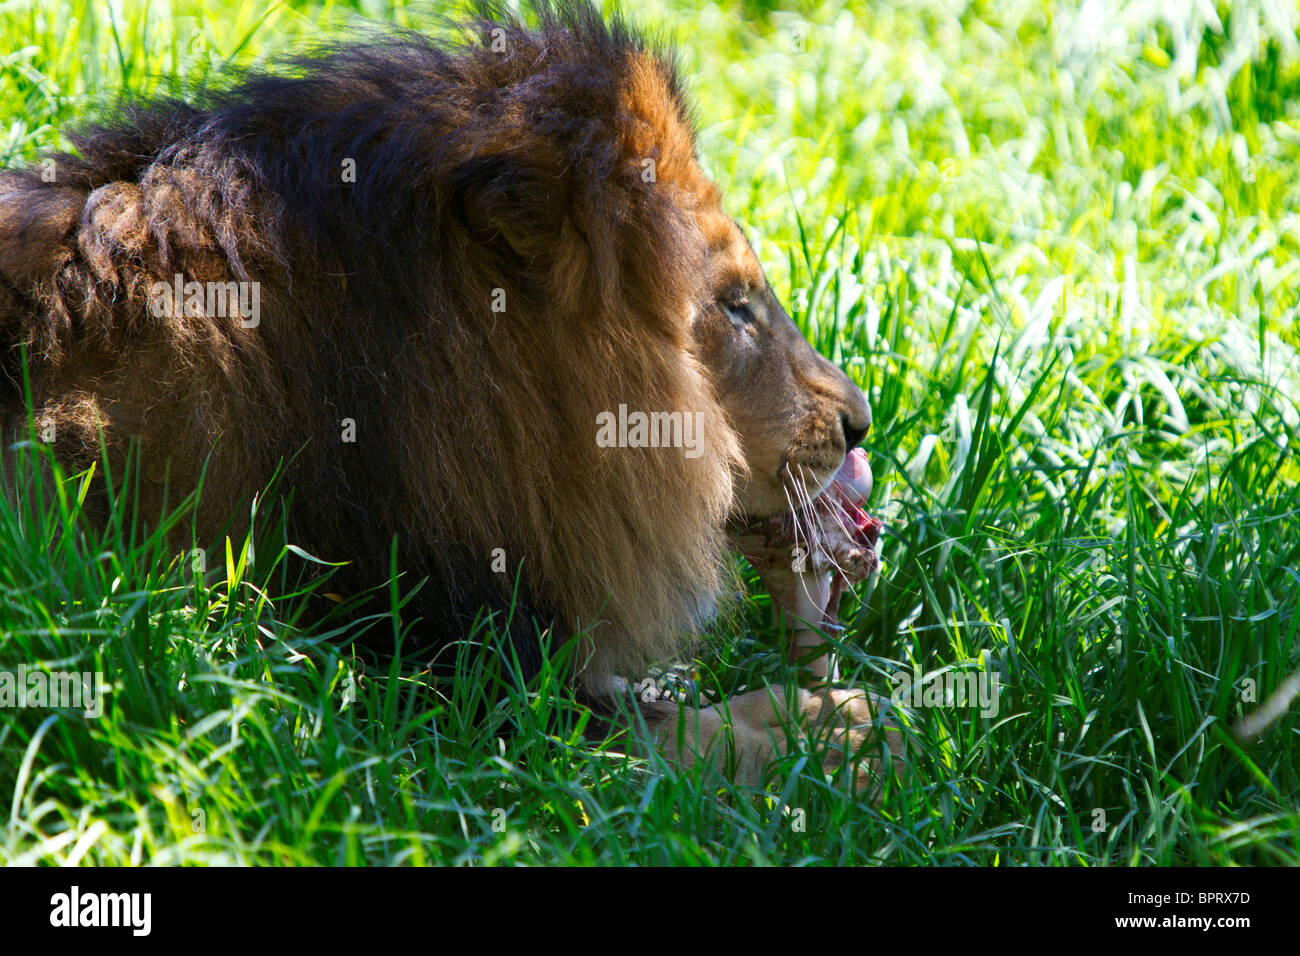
pixel 504 200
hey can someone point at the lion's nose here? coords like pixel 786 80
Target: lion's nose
pixel 855 430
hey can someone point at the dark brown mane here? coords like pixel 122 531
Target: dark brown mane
pixel 510 164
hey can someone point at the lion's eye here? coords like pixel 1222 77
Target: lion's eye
pixel 739 311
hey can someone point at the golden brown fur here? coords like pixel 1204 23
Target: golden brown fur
pixel 511 170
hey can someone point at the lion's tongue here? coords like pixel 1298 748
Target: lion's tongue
pixel 852 483
pixel 850 488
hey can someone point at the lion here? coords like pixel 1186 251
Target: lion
pixel 418 279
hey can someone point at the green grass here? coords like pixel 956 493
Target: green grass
pixel 1060 254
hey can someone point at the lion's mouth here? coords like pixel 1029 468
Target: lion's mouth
pixel 848 491
pixel 826 531
pixel 808 557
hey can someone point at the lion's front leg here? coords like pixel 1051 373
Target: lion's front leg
pixel 742 736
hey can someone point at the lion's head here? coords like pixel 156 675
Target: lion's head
pixel 795 414
pixel 470 259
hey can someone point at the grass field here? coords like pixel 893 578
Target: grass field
pixel 1059 245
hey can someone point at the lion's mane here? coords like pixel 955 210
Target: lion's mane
pixel 511 163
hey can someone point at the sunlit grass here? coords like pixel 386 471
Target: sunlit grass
pixel 1056 242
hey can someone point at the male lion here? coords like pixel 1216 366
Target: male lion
pixel 418 277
